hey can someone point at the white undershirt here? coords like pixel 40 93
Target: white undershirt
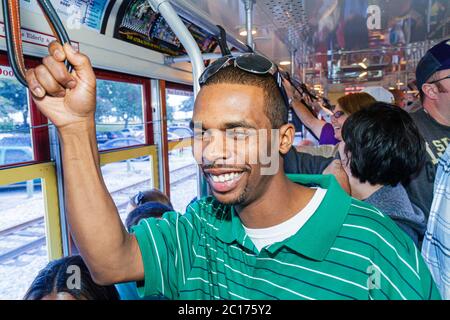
pixel 265 237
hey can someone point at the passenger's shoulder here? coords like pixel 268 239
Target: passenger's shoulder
pixel 303 163
pixel 203 204
pixel 375 228
pixel 371 236
pixel 208 209
pixel 418 114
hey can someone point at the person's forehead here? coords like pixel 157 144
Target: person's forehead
pixel 337 107
pixel 444 73
pixel 227 103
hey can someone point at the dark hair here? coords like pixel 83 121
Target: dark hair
pixel 147 210
pixel 153 195
pixel 275 108
pixel 385 145
pixel 56 276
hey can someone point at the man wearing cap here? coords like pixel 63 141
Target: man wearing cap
pixel 433 81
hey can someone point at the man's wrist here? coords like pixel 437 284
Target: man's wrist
pixel 83 126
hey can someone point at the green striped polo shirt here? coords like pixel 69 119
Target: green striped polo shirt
pixel 346 250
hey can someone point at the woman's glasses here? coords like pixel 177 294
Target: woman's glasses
pixel 338 114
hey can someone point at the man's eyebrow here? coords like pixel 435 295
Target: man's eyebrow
pixel 239 124
pixel 229 125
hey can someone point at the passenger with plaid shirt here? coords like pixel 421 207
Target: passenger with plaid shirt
pixel 436 245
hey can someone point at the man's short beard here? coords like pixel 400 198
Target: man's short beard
pixel 242 199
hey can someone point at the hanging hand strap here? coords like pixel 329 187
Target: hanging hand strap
pixel 13 33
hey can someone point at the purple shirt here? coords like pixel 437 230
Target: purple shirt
pixel 327 135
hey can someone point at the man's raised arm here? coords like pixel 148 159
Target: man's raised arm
pixel 69 101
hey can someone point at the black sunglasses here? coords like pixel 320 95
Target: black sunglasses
pixel 248 62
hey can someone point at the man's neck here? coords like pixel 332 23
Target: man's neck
pixel 281 200
pixel 440 116
pixel 362 191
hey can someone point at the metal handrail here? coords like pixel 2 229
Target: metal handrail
pixel 164 7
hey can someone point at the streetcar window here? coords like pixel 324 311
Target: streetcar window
pixel 180 107
pixel 126 178
pixel 119 115
pixel 23 250
pixel 183 178
pixel 16 155
pixel 15 122
pixel 182 165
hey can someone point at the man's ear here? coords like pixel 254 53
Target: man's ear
pixel 287 136
pixel 430 90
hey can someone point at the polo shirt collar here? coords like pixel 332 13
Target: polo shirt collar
pixel 231 230
pixel 316 237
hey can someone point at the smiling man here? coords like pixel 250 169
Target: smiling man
pixel 261 235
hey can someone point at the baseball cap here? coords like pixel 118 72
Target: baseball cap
pixel 436 59
pixel 380 94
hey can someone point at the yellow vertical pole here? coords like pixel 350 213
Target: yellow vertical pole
pixel 52 218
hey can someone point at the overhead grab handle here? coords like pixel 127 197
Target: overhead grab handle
pixel 13 33
pixel 222 39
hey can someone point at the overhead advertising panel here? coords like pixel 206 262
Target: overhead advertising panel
pixel 137 23
pixel 90 13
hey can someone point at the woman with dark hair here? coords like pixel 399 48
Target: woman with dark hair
pixel 381 151
pixel 68 279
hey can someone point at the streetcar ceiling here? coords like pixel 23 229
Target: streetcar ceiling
pixel 359 33
pixel 335 41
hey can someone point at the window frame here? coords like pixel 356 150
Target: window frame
pixel 44 167
pixel 173 145
pixel 147 98
pixel 39 126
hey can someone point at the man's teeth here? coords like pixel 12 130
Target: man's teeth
pixel 226 177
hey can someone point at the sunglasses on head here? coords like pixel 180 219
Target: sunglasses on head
pixel 248 62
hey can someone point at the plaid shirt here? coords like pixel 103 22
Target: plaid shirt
pixel 436 245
